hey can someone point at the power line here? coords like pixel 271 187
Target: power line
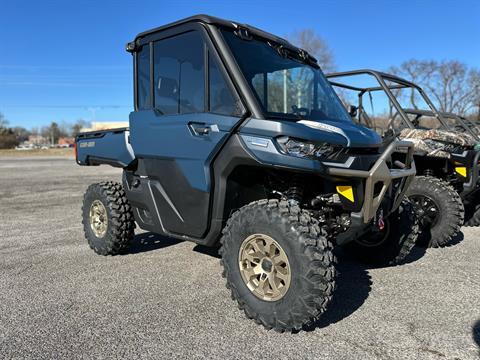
pixel 67 106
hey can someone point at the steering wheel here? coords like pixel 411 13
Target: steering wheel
pixel 299 110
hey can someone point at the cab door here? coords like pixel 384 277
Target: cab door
pixel 186 108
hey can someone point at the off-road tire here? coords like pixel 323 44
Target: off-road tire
pixel 121 224
pixel 450 206
pixel 309 253
pixel 400 239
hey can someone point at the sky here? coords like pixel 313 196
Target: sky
pixel 64 60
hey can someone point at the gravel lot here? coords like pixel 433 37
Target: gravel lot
pixel 167 298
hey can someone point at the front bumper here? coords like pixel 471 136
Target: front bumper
pixel 380 173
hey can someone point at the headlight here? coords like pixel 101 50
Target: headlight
pixel 305 149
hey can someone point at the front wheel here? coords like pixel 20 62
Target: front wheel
pixel 439 209
pixel 390 245
pixel 278 264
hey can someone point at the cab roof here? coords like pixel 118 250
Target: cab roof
pixel 212 20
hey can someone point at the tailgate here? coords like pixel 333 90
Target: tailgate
pixel 109 147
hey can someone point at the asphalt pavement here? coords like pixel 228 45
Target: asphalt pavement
pixel 167 299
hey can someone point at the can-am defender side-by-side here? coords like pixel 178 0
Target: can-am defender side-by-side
pixel 460 124
pixel 447 164
pixel 238 139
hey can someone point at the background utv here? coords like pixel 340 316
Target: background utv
pixel 446 160
pixel 237 138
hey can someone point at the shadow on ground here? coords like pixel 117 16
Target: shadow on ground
pixel 415 254
pixel 425 238
pixel 353 287
pixel 353 283
pixel 476 333
pixel 456 240
pixel 208 250
pixel 150 241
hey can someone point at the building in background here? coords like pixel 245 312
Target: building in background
pixel 37 140
pixel 105 125
pixel 66 141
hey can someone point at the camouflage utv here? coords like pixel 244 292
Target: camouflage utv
pixel 446 159
pixel 461 126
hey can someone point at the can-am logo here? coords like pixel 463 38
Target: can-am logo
pixel 87 144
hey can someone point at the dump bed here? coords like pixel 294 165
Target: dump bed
pixel 111 147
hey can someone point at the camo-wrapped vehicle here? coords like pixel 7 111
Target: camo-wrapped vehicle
pixel 446 159
pixel 465 133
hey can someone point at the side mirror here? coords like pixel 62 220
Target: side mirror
pixel 352 110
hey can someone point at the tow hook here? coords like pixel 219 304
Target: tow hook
pixel 380 221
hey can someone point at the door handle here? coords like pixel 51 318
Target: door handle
pixel 199 129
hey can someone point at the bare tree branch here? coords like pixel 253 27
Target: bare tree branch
pixel 308 40
pixel 454 88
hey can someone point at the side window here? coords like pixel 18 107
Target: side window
pixel 143 78
pixel 221 101
pixel 179 74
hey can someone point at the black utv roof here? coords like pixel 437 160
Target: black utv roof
pixel 212 20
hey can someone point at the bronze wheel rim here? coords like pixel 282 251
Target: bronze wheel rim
pixel 264 267
pixel 98 218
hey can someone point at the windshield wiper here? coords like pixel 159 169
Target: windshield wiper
pixel 292 117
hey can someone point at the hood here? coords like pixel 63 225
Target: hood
pixel 427 140
pixel 354 135
pixel 342 133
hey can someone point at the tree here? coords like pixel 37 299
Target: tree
pixel 21 133
pixel 8 139
pixel 77 127
pixel 474 84
pixel 3 121
pixel 452 86
pixel 310 41
pixel 51 132
pixel 419 72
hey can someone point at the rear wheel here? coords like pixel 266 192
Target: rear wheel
pixel 278 264
pixel 439 209
pixel 108 220
pixel 390 245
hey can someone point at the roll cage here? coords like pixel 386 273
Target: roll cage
pixel 394 83
pixel 458 120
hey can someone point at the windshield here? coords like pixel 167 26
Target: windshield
pixel 285 86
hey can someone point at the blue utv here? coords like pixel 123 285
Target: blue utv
pixel 237 139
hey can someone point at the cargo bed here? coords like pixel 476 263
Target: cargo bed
pixel 110 147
